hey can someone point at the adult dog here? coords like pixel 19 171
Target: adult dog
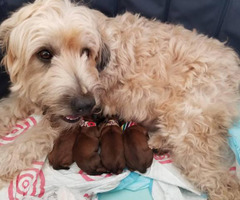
pixel 63 59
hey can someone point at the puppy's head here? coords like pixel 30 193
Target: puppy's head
pixel 54 53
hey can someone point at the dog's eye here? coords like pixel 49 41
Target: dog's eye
pixel 87 51
pixel 45 55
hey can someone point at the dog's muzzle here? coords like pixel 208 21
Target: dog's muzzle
pixel 81 106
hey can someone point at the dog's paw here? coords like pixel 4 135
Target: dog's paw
pixel 12 162
pixel 6 125
pixel 3 183
pixel 155 142
pixel 7 178
pixel 159 144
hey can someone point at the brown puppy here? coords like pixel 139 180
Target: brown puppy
pixel 61 155
pixel 112 150
pixel 137 153
pixel 85 149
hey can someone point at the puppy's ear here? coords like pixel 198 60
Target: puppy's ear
pixel 103 57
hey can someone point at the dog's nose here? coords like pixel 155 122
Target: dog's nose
pixel 83 105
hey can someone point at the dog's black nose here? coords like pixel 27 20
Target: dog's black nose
pixel 83 105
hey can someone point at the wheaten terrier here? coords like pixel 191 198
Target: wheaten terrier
pixel 63 59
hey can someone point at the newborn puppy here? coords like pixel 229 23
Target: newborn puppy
pixel 61 155
pixel 85 149
pixel 137 153
pixel 112 150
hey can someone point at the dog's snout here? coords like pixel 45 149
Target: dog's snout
pixel 83 105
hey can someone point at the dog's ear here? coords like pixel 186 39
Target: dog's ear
pixel 103 57
pixel 5 30
pixel 9 24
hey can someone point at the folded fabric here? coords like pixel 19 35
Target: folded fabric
pixel 134 182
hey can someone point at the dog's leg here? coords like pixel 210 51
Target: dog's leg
pixel 33 145
pixel 12 109
pixel 204 169
pixel 199 153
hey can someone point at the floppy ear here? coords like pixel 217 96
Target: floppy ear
pixel 8 25
pixel 104 53
pixel 103 57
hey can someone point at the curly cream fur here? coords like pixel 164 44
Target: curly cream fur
pixel 180 84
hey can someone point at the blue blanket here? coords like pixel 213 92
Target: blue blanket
pixel 234 140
